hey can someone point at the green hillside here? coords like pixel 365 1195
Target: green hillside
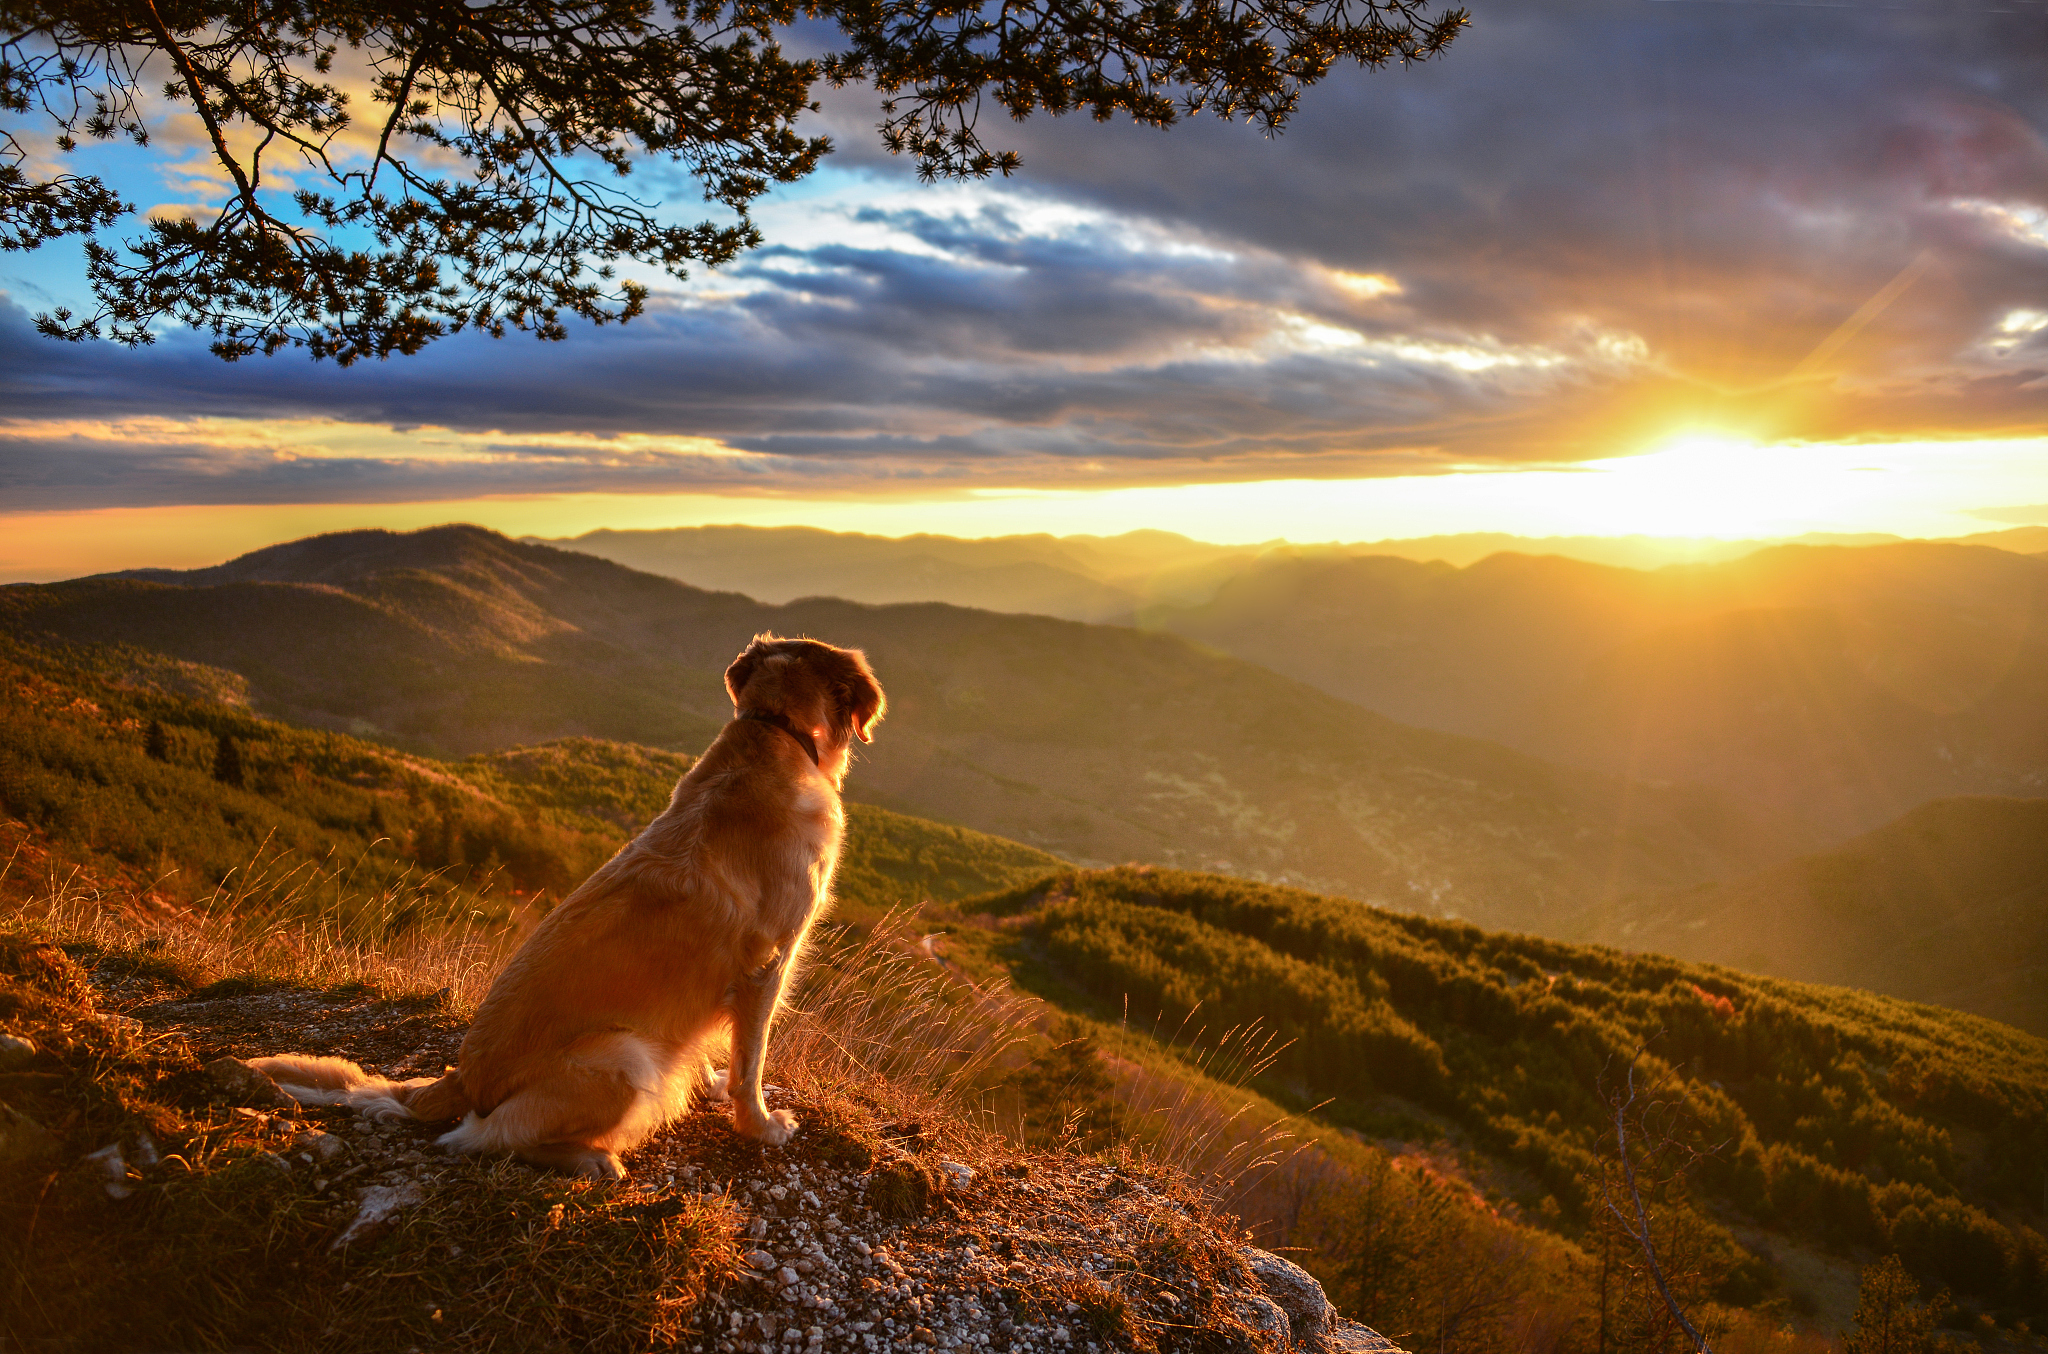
pixel 1947 905
pixel 1093 743
pixel 1837 686
pixel 1848 1125
pixel 1833 1120
pixel 488 832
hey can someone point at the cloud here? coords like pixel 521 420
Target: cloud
pixel 1589 225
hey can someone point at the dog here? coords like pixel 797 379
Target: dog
pixel 599 1029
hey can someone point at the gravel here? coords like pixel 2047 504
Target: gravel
pixel 860 1235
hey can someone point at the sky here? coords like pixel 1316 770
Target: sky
pixel 1657 267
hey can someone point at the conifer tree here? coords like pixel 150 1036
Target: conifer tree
pixel 1890 1318
pixel 1068 1094
pixel 389 173
pixel 227 761
pixel 155 745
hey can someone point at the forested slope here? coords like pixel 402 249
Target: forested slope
pixel 1827 1117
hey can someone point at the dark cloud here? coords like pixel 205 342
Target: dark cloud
pixel 1606 221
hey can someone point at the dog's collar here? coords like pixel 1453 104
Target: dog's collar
pixel 804 740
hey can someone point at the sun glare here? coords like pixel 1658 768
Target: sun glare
pixel 1699 483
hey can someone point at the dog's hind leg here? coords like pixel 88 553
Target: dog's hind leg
pixel 754 999
pixel 575 1158
pixel 714 1083
pixel 604 1098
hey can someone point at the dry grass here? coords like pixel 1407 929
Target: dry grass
pixel 1192 1115
pixel 230 1251
pixel 873 1010
pixel 293 920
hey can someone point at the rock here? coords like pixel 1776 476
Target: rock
pixel 1348 1337
pixel 961 1172
pixel 113 1166
pixel 320 1146
pixel 1263 1316
pixel 244 1085
pixel 761 1260
pixel 380 1204
pixel 1295 1289
pixel 15 1051
pixel 22 1139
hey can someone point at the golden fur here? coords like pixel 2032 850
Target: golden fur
pixel 597 1031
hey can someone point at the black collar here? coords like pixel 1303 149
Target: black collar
pixel 804 740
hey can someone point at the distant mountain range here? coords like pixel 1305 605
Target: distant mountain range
pixel 1095 578
pixel 1077 578
pixel 1947 905
pixel 1833 684
pixel 1097 743
pixel 1833 687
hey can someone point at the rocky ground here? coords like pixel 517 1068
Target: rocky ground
pixel 864 1233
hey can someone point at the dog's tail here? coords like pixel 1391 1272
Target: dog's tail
pixel 336 1081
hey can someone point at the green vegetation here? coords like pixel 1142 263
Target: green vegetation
pixel 487 833
pixel 1890 1318
pixel 1853 1121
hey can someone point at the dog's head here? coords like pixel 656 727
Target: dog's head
pixel 810 682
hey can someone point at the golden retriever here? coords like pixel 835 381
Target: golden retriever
pixel 597 1031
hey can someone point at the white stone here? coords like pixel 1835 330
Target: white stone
pixel 380 1203
pixel 1349 1337
pixel 1264 1316
pixel 1295 1290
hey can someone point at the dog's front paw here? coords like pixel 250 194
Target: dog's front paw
pixel 778 1128
pixel 716 1086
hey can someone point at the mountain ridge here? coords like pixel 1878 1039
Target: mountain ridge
pixel 1096 743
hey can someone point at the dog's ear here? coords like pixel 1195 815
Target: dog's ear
pixel 860 696
pixel 743 668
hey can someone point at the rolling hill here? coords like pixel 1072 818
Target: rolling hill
pixel 1829 1121
pixel 1947 905
pixel 1094 743
pixel 1834 687
pixel 81 785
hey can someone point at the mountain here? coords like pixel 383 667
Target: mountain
pixel 1832 687
pixel 1098 578
pixel 1082 578
pixel 1947 905
pixel 1095 743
